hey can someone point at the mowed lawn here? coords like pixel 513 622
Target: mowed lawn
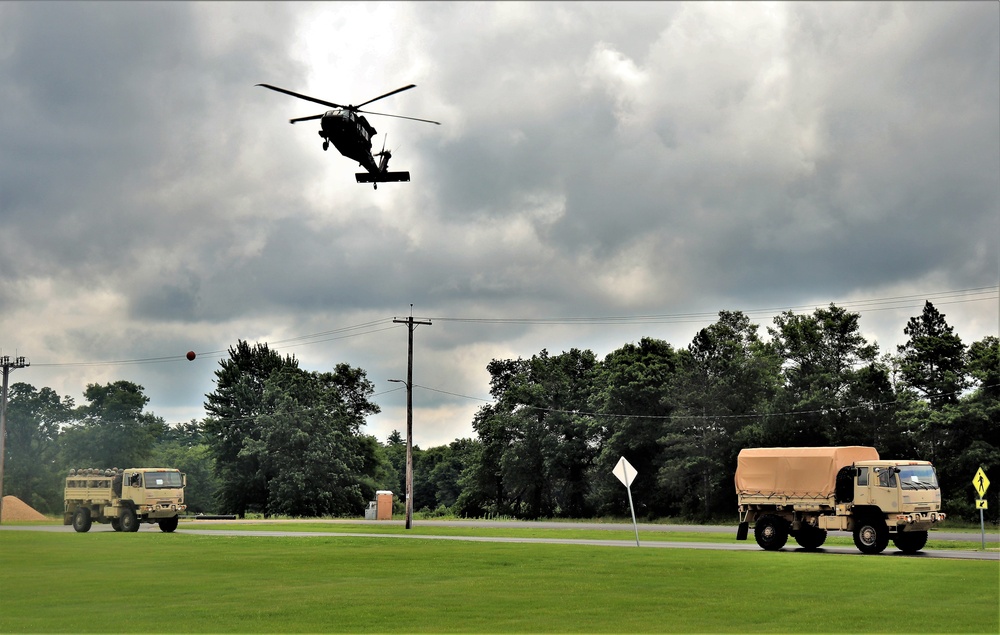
pixel 113 582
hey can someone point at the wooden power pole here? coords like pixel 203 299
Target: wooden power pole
pixel 410 324
pixel 7 364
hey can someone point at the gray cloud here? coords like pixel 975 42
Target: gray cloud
pixel 595 159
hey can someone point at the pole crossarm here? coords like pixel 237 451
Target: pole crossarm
pixel 7 364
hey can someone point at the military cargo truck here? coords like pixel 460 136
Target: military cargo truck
pixel 124 498
pixel 806 492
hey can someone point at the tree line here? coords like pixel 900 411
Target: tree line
pixel 280 440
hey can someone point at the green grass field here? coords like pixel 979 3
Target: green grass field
pixel 112 582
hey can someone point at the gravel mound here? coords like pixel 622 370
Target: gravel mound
pixel 16 509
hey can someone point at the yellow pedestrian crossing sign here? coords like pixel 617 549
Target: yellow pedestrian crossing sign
pixel 980 482
pixel 981 504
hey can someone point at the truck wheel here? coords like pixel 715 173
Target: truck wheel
pixel 771 533
pixel 128 519
pixel 168 524
pixel 81 519
pixel 911 541
pixel 116 524
pixel 810 538
pixel 871 536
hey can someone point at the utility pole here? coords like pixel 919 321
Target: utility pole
pixel 410 324
pixel 7 365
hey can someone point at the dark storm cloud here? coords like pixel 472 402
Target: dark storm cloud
pixel 896 113
pixel 114 107
pixel 593 159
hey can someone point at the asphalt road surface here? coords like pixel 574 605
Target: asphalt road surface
pixel 256 528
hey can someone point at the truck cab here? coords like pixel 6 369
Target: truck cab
pixel 907 492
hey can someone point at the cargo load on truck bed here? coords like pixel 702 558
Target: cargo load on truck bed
pixel 795 473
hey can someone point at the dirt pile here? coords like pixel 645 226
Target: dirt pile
pixel 16 509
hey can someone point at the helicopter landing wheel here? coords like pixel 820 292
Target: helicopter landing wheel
pixel 326 144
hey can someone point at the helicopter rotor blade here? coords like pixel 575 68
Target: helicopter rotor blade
pixel 305 97
pixel 398 90
pixel 383 114
pixel 310 118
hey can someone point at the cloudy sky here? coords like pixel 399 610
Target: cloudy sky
pixel 603 172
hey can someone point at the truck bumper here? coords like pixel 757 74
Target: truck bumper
pixel 920 518
pixel 161 510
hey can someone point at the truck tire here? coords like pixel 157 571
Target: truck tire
pixel 116 524
pixel 128 519
pixel 82 520
pixel 168 524
pixel 871 536
pixel 810 538
pixel 910 541
pixel 770 532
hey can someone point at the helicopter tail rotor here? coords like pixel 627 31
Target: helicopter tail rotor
pixel 383 165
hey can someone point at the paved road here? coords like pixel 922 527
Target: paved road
pixel 255 528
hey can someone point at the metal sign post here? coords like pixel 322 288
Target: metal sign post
pixel 626 474
pixel 981 483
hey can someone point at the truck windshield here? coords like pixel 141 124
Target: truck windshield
pixel 163 480
pixel 917 477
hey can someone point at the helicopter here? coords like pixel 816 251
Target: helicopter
pixel 351 134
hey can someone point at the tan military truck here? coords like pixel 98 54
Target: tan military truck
pixel 806 492
pixel 124 498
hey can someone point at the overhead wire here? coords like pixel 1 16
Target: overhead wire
pixel 974 294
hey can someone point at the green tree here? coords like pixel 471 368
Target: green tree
pixel 184 446
pixel 821 354
pixel 435 476
pixel 312 457
pixel 31 472
pixel 984 366
pixel 394 452
pixel 970 438
pixel 633 398
pixel 543 438
pixel 233 409
pixel 932 361
pixel 111 430
pixel 483 490
pixel 727 377
pixel 932 366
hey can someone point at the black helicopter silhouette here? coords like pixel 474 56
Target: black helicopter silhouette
pixel 351 134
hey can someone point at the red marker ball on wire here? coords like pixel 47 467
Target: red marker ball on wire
pixel 191 356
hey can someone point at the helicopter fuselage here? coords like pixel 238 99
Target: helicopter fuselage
pixel 351 134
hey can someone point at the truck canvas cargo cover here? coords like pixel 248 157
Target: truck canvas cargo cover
pixel 795 472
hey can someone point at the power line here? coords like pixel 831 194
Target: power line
pixel 873 304
pixel 888 303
